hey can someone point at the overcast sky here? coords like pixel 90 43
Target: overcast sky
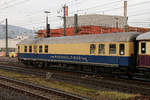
pixel 30 13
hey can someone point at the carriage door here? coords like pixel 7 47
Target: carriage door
pixel 35 49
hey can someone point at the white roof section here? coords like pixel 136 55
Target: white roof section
pixel 144 36
pixel 28 41
pixel 11 43
pixel 109 37
pixel 22 37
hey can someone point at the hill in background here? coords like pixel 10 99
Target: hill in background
pixel 14 31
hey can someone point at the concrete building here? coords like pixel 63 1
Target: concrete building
pixel 98 20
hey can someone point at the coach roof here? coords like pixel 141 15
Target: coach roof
pixel 109 37
pixel 145 36
pixel 28 41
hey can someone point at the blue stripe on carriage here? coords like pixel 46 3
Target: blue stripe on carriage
pixel 121 60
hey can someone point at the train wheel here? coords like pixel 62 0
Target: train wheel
pixel 34 64
pixel 46 65
pixel 129 74
pixel 147 75
pixel 27 63
pixel 40 65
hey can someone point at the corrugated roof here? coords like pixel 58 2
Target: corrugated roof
pixel 145 36
pixel 111 37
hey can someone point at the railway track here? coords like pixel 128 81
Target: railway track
pixel 39 92
pixel 23 70
pixel 128 86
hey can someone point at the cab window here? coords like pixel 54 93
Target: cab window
pixel 143 48
pixel 25 48
pixel 46 48
pixel 30 48
pixel 112 49
pixel 92 48
pixel 122 49
pixel 40 48
pixel 101 49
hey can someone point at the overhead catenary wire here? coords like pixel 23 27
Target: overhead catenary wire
pixel 112 9
pixel 15 4
pixel 41 22
pixel 132 5
pixel 8 2
pixel 105 4
pixel 140 14
pixel 94 7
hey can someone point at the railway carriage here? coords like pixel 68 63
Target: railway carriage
pixel 144 50
pixel 144 53
pixel 85 53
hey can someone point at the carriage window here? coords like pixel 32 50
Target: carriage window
pixel 30 48
pixel 25 48
pixel 101 49
pixel 40 49
pixel 92 48
pixel 122 49
pixel 46 49
pixel 112 49
pixel 143 48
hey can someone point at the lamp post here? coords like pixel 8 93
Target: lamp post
pixel 47 25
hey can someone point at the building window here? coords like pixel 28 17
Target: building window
pixel 30 48
pixel 143 48
pixel 46 48
pixel 40 49
pixel 92 48
pixel 122 49
pixel 101 49
pixel 112 49
pixel 25 48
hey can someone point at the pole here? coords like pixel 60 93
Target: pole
pixel 125 8
pixel 47 25
pixel 47 33
pixel 6 38
pixel 125 15
pixel 48 29
pixel 117 23
pixel 64 20
pixel 76 24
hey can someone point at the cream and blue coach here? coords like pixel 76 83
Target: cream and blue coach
pixel 110 50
